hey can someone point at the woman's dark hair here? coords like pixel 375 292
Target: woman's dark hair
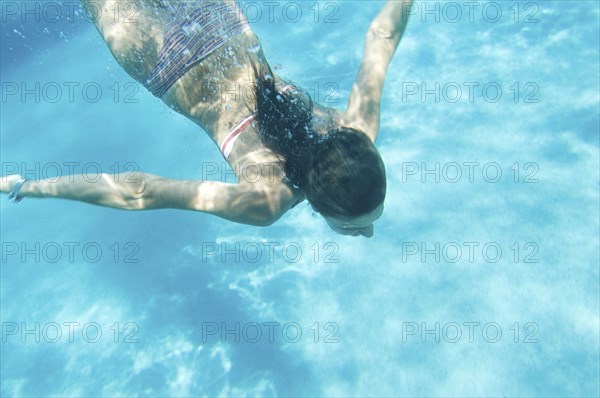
pixel 341 172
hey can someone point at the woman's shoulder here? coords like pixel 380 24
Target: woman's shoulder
pixel 326 118
pixel 264 170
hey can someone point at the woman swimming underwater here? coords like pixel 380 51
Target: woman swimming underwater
pixel 189 54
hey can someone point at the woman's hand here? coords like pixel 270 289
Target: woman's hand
pixel 8 182
pixel 392 19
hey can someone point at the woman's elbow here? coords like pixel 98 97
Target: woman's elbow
pixel 269 209
pixel 265 222
pixel 256 217
pixel 266 215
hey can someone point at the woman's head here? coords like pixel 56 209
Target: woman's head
pixel 341 172
pixel 344 180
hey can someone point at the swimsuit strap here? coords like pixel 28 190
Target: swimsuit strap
pixel 229 141
pixel 288 88
pixel 227 144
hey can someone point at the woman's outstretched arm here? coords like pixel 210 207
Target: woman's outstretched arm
pixel 246 203
pixel 383 37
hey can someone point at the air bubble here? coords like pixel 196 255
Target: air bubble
pixel 19 33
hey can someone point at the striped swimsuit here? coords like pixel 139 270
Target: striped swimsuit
pixel 197 29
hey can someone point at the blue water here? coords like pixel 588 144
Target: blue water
pixel 477 284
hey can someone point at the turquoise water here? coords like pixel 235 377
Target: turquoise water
pixel 482 278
